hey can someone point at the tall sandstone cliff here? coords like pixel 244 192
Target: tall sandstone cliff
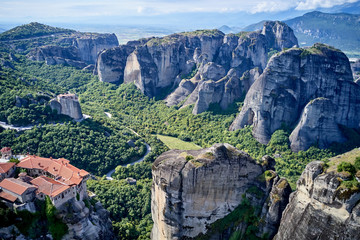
pixel 320 209
pixel 76 49
pixel 67 104
pixel 204 66
pixel 309 89
pixel 192 189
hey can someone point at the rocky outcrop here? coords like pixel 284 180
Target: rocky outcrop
pixel 83 219
pixel 160 64
pixel 185 88
pixel 9 233
pixel 85 223
pixel 77 49
pixel 290 81
pixel 274 207
pixel 320 208
pixel 223 92
pixel 317 125
pixel 279 35
pixel 111 63
pixel 67 104
pixel 192 189
pixel 53 55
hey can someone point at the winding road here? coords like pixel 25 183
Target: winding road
pixel 148 150
pixel 22 128
pixel 12 127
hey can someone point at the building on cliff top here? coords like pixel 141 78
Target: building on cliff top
pixel 59 193
pixel 55 178
pixel 15 189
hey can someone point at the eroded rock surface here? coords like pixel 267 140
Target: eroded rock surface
pixel 159 64
pixel 85 223
pixel 317 126
pixel 290 81
pixel 192 189
pixel 319 209
pixel 67 104
pixel 76 49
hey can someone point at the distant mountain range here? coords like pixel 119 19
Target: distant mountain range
pixel 341 30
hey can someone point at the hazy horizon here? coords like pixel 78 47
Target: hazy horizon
pixel 184 14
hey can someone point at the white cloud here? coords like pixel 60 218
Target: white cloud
pixel 16 9
pixel 273 6
pixel 313 4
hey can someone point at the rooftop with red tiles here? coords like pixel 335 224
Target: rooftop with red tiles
pixel 60 168
pixel 49 186
pixel 5 167
pixel 8 196
pixel 15 185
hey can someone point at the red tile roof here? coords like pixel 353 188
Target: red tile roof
pixel 8 196
pixel 5 167
pixel 5 149
pixel 15 185
pixel 60 168
pixel 49 186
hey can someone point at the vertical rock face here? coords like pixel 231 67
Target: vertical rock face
pixel 85 223
pixel 274 207
pixel 192 189
pixel 77 49
pixel 111 63
pixel 317 126
pixel 67 104
pixel 158 63
pixel 291 80
pixel 220 61
pixel 279 35
pixel 90 45
pixel 319 209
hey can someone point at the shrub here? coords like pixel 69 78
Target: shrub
pixel 56 226
pixel 189 157
pixel 346 167
pixel 357 163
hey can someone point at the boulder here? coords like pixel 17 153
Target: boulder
pixel 319 209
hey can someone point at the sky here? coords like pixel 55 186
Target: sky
pixel 155 11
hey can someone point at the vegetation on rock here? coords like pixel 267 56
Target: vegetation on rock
pixel 33 29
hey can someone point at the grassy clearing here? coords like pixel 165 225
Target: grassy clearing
pixel 346 157
pixel 175 143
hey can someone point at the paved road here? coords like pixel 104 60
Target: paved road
pixel 148 150
pixel 12 127
pixel 22 128
pixel 108 114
